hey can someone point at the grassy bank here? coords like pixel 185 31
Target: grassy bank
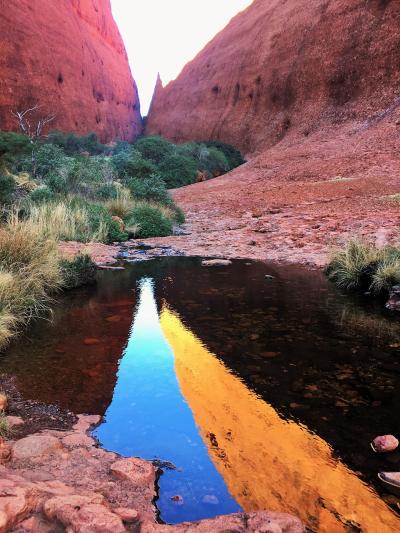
pixel 31 273
pixel 105 193
pixel 66 187
pixel 362 266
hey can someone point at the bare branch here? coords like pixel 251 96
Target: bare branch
pixel 33 130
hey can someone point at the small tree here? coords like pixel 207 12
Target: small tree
pixel 32 125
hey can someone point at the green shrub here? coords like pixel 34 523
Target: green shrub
pixel 233 156
pixel 131 164
pixel 48 160
pixel 87 175
pixel 100 221
pixel 154 148
pixel 13 145
pixel 177 171
pixel 41 194
pixel 179 215
pixel 152 188
pixel 7 188
pixel 78 271
pixel 151 222
pixel 73 144
pixel 214 161
pixel 108 191
pixel 57 183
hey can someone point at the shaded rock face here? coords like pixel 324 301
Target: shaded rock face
pixel 68 57
pixel 283 68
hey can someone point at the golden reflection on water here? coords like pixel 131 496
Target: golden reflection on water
pixel 268 462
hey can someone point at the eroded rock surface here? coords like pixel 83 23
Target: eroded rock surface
pixel 57 481
pixel 69 58
pixel 309 91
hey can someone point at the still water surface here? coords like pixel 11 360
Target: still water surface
pixel 257 393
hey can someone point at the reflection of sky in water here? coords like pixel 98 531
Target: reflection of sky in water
pixel 149 418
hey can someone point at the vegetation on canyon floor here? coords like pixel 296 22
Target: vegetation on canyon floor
pixel 66 187
pixel 363 266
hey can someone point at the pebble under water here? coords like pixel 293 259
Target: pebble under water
pixel 253 386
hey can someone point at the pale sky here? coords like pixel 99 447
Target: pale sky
pixel 163 35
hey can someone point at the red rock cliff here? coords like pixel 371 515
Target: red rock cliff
pixel 283 67
pixel 67 56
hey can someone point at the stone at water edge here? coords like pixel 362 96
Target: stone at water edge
pixel 216 262
pixel 385 443
pixel 137 471
pixel 126 514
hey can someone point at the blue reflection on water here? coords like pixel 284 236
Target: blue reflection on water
pixel 150 418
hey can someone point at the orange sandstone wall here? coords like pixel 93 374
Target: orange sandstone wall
pixel 67 56
pixel 285 67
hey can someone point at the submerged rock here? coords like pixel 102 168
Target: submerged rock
pixel 385 443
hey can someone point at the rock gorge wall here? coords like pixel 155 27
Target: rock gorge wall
pixel 68 57
pixel 285 67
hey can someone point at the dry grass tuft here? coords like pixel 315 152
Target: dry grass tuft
pixel 29 273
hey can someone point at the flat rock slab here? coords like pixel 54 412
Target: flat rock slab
pixel 137 471
pixel 35 446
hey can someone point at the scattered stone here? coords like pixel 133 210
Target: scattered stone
pixel 35 446
pixel 216 262
pixel 3 401
pixel 385 443
pixel 137 471
pixel 268 276
pixel 126 514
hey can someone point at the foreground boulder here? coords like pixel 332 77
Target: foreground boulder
pixel 61 481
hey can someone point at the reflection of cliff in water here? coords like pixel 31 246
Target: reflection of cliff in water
pixel 266 461
pixel 318 356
